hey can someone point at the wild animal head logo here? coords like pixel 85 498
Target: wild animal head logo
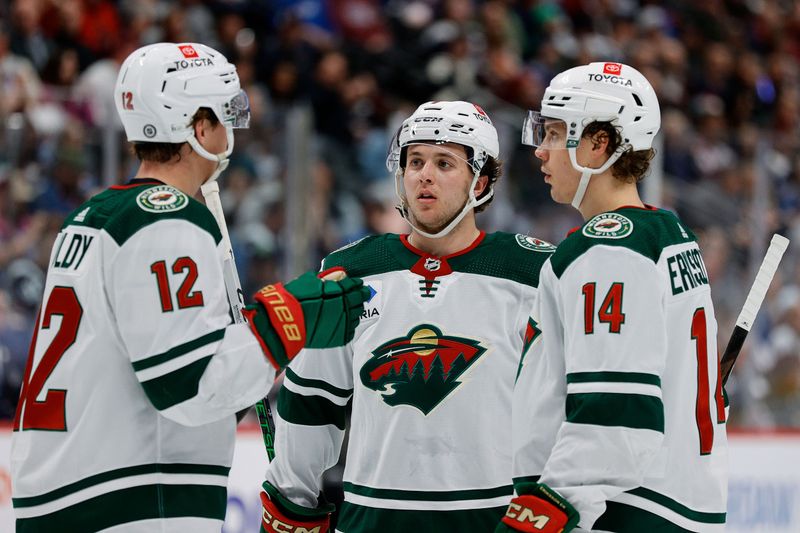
pixel 420 369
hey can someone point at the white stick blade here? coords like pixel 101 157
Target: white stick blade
pixel 764 277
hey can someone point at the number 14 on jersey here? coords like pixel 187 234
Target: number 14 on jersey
pixel 610 312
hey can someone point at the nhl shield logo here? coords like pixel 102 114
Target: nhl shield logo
pixel 432 265
pixel 608 226
pixel 420 369
pixel 162 198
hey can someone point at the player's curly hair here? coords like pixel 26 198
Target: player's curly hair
pixel 631 166
pixel 164 152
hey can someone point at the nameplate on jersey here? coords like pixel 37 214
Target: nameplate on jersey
pixel 71 249
pixel 373 306
pixel 686 271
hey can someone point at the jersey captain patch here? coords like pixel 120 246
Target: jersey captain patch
pixel 608 226
pixel 162 198
pixel 420 369
pixel 534 244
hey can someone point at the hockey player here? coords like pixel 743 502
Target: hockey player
pixel 431 368
pixel 629 431
pixel 126 421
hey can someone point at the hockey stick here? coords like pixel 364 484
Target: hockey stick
pixel 233 287
pixel 751 306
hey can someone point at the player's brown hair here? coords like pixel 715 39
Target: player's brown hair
pixel 631 166
pixel 164 152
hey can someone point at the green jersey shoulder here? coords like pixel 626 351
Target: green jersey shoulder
pixel 503 255
pixel 371 255
pixel 646 231
pixel 515 257
pixel 122 211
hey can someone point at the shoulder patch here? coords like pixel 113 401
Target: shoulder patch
pixel 162 198
pixel 534 244
pixel 608 226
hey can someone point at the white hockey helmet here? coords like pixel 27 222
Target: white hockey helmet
pixel 161 86
pixel 598 92
pixel 455 122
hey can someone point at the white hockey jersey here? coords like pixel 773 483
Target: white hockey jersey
pixel 429 375
pixel 624 414
pixel 126 415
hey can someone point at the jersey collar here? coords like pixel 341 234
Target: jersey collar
pixel 647 207
pixel 137 182
pixel 417 251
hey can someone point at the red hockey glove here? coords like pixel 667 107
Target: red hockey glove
pixel 307 311
pixel 279 515
pixel 538 509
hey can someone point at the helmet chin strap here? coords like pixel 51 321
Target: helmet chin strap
pixel 586 174
pixel 221 158
pixel 583 184
pixel 470 204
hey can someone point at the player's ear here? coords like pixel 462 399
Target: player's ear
pixel 202 128
pixel 480 185
pixel 600 141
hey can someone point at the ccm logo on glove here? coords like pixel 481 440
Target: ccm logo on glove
pixel 538 509
pixel 272 523
pixel 280 515
pixel 525 517
pixel 276 306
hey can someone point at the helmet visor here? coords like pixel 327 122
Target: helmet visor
pixel 237 111
pixel 543 132
pixel 393 152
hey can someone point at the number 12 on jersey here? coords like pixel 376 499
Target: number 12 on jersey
pixel 49 414
pixel 185 296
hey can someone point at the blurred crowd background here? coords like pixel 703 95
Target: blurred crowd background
pixel 329 82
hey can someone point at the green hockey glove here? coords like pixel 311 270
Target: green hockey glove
pixel 280 515
pixel 538 509
pixel 307 311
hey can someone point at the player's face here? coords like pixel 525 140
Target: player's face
pixel 436 180
pixel 558 171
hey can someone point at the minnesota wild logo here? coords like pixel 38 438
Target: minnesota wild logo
pixel 420 369
pixel 534 244
pixel 608 226
pixel 162 198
